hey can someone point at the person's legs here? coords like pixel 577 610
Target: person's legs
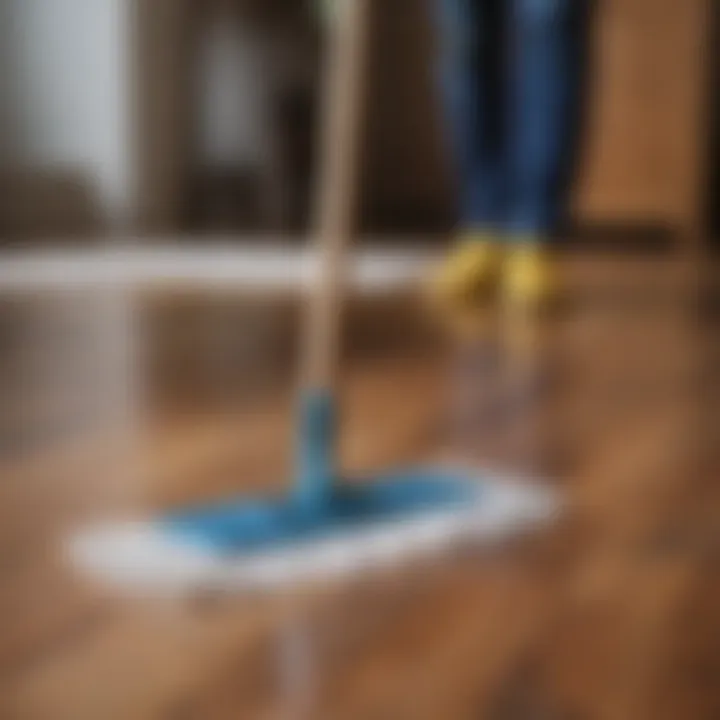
pixel 547 40
pixel 470 40
pixel 546 63
pixel 470 68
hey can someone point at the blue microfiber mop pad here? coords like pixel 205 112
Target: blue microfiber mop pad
pixel 246 525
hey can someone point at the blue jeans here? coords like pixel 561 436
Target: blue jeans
pixel 511 74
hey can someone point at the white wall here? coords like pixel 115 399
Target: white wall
pixel 64 90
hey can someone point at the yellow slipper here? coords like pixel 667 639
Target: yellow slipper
pixel 529 277
pixel 470 276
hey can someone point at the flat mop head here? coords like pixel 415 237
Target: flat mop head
pixel 264 544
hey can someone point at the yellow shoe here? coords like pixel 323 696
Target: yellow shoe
pixel 470 276
pixel 529 281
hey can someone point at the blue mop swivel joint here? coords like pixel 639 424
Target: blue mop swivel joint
pixel 317 430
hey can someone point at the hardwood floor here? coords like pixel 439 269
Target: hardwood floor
pixel 611 614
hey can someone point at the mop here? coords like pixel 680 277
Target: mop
pixel 325 527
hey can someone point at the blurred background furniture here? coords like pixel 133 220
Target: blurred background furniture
pixel 644 164
pixel 181 117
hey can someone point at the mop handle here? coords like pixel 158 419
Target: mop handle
pixel 340 139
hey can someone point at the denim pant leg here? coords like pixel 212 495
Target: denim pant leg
pixel 469 64
pixel 547 55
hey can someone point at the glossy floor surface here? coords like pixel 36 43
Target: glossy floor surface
pixel 613 613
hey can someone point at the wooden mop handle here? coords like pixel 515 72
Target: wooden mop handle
pixel 341 130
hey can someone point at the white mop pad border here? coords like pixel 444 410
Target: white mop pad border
pixel 143 558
